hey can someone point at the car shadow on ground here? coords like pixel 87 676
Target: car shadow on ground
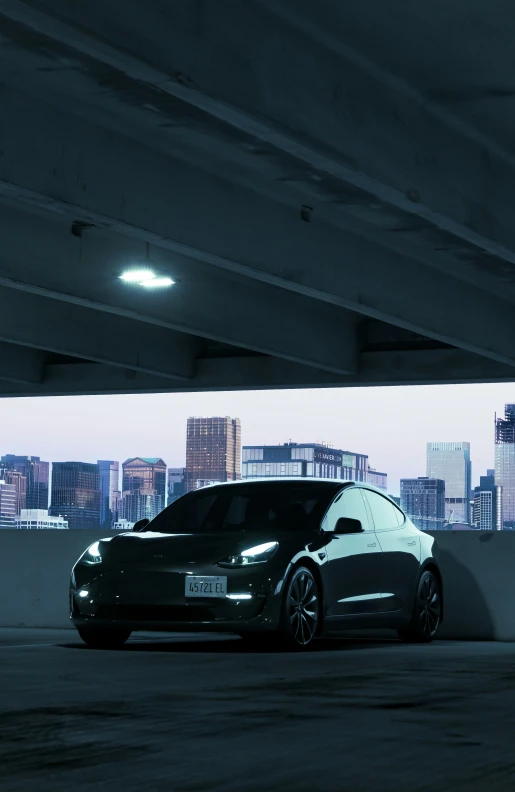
pixel 234 645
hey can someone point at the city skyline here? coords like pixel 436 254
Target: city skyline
pixel 390 425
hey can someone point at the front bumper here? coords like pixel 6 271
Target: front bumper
pixel 154 600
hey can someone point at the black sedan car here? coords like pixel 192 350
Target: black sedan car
pixel 289 559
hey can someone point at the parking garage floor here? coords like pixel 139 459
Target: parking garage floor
pixel 199 713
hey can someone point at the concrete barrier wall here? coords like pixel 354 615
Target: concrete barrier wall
pixel 478 570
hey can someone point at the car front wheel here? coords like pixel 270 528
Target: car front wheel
pixel 301 609
pixel 97 638
pixel 427 611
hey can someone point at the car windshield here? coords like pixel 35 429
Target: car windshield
pixel 288 506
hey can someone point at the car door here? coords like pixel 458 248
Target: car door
pixel 354 561
pixel 400 544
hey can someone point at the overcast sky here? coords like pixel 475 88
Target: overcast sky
pixel 391 425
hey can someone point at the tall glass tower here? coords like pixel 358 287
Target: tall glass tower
pixel 451 463
pixel 109 484
pixel 505 463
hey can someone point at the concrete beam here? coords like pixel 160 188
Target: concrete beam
pixel 435 166
pixel 33 321
pixel 255 373
pixel 19 365
pixel 206 302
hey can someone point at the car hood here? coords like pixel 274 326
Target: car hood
pixel 194 548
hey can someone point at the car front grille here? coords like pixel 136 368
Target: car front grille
pixel 155 613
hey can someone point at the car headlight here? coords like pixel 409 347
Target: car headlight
pixel 254 555
pixel 92 555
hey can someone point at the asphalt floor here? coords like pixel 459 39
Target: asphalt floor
pixel 205 714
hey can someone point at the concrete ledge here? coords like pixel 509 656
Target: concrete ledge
pixel 478 570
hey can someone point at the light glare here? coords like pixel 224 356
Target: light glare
pixel 239 596
pixel 259 549
pixel 137 276
pixel 157 283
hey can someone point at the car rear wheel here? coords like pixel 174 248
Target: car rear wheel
pixel 97 638
pixel 427 611
pixel 301 610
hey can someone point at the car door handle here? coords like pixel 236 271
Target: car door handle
pixel 413 543
pixel 371 545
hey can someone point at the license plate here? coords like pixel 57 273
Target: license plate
pixel 204 586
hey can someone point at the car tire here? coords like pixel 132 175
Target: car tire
pixel 301 610
pixel 427 611
pixel 97 638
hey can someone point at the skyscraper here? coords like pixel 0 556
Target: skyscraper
pixel 213 450
pixel 109 473
pixel 20 482
pixel 486 513
pixel 76 494
pixel 175 484
pixel 451 463
pixel 312 460
pixel 143 488
pixel 7 505
pixel 505 463
pixel 423 500
pixel 37 474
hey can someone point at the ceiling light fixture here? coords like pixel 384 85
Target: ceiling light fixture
pixel 146 278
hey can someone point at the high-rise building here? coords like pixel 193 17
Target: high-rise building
pixel 76 494
pixel 20 482
pixel 37 474
pixel 451 463
pixel 143 488
pixel 505 463
pixel 312 460
pixel 213 450
pixel 423 500
pixel 176 484
pixel 109 474
pixel 39 519
pixel 377 479
pixel 486 512
pixel 7 505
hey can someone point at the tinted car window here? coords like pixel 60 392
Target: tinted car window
pixel 246 508
pixel 349 504
pixel 383 511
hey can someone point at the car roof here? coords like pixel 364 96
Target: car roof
pixel 336 483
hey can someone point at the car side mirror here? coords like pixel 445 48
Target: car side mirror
pixel 141 524
pixel 347 525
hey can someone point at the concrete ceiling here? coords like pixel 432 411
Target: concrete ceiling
pixel 329 184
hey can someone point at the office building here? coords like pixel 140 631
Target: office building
pixel 7 505
pixel 312 460
pixel 143 488
pixel 76 494
pixel 505 463
pixel 122 525
pixel 176 484
pixel 486 510
pixel 37 474
pixel 213 450
pixel 20 482
pixel 109 476
pixel 451 462
pixel 423 500
pixel 39 519
pixel 377 479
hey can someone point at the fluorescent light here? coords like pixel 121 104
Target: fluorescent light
pixel 157 283
pixel 146 278
pixel 137 275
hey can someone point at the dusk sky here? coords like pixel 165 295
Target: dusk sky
pixel 391 425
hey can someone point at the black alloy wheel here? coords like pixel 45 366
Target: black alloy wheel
pixel 97 638
pixel 427 611
pixel 301 609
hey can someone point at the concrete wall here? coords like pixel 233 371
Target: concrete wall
pixel 478 569
pixel 35 570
